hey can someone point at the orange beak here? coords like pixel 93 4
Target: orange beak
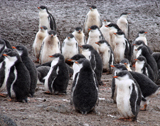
pixel 38 7
pixel 41 27
pixel 13 47
pixel 112 65
pixel 97 43
pixel 70 60
pixel 89 29
pixel 105 20
pixel 76 62
pixel 136 50
pixel 135 59
pixel 90 8
pixel 134 44
pixel 52 35
pixel 125 63
pixel 115 33
pixel 106 25
pixel 51 56
pixel 145 32
pixel 115 76
pixel 80 46
pixel 68 37
pixel 5 55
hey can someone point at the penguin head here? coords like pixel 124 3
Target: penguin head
pixel 102 45
pixel 70 36
pixel 118 67
pixel 123 75
pixel 22 50
pixel 141 59
pixel 113 27
pixel 141 51
pixel 70 40
pixel 76 57
pixel 120 34
pixel 124 61
pixel 43 28
pixel 87 47
pixel 93 27
pixel 2 44
pixel 106 22
pixel 43 9
pixel 124 15
pixel 57 57
pixel 138 43
pixel 83 62
pixel 52 33
pixel 78 30
pixel 142 33
pixel 92 8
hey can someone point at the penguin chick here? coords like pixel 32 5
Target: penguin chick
pixel 106 54
pixel 4 44
pixel 126 63
pixel 84 93
pixel 50 46
pixel 141 66
pixel 95 35
pixel 23 52
pixel 105 31
pixel 142 36
pixel 92 18
pixel 46 18
pixel 69 47
pixel 17 82
pixel 156 56
pixel 128 96
pixel 41 34
pixel 42 71
pixel 122 23
pixel 57 78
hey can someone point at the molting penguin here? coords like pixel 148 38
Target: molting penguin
pixel 19 78
pixel 41 34
pixel 128 96
pixel 46 18
pixel 92 18
pixel 57 78
pixel 107 55
pixel 123 24
pixel 141 66
pixel 95 35
pixel 23 52
pixel 92 55
pixel 50 46
pixel 84 94
pixel 69 47
pixel 142 36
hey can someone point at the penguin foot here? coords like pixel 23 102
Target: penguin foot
pixel 3 95
pixel 10 100
pixel 126 119
pixel 47 92
pixel 144 108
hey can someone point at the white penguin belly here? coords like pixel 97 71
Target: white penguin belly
pixel 138 67
pixel 119 53
pixel 11 88
pixel 105 59
pixel 92 40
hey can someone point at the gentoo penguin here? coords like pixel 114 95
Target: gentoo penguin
pixel 57 78
pixel 126 63
pixel 41 34
pixel 113 28
pixel 92 18
pixel 46 18
pixel 105 31
pixel 92 55
pixel 142 36
pixel 42 71
pixel 23 52
pixel 50 46
pixel 122 23
pixel 156 56
pixel 84 93
pixel 128 96
pixel 2 74
pixel 148 87
pixel 150 60
pixel 4 44
pixel 107 55
pixel 95 35
pixel 141 66
pixel 69 47
pixel 122 47
pixel 79 36
pixel 18 80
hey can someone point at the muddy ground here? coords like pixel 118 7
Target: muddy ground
pixel 19 24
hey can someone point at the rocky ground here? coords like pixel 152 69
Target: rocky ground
pixel 19 24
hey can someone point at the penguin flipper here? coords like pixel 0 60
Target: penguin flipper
pixel 2 74
pixel 52 22
pixel 113 86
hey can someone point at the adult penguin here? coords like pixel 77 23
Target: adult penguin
pixel 23 52
pixel 84 94
pixel 57 78
pixel 142 36
pixel 18 81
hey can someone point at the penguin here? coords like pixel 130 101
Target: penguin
pixel 156 56
pixel 113 28
pixel 128 96
pixel 122 47
pixel 46 18
pixel 57 78
pixel 4 44
pixel 105 31
pixel 84 92
pixel 92 18
pixel 122 23
pixel 126 63
pixel 41 34
pixel 107 55
pixel 42 71
pixel 18 83
pixel 50 46
pixel 141 66
pixel 92 55
pixel 23 52
pixel 148 88
pixel 69 47
pixel 95 35
pixel 142 36
pixel 149 58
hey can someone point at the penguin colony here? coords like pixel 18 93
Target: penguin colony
pixel 102 47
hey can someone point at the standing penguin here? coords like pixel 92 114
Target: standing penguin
pixel 41 34
pixel 142 36
pixel 50 46
pixel 141 66
pixel 106 54
pixel 23 52
pixel 57 78
pixel 126 63
pixel 46 19
pixel 92 18
pixel 95 35
pixel 128 96
pixel 84 94
pixel 19 78
pixel 4 44
pixel 105 31
pixel 92 55
pixel 69 47
pixel 42 71
pixel 122 23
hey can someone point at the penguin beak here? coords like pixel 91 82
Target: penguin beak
pixel 134 44
pixel 68 37
pixel 115 76
pixel 13 47
pixel 125 63
pixel 80 46
pixel 5 55
pixel 128 13
pixel 106 25
pixel 70 60
pixel 145 32
pixel 105 20
pixel 135 59
pixel 41 27
pixel 51 56
pixel 115 33
pixel 97 43
pixel 112 65
pixel 89 29
pixel 90 8
pixel 79 31
pixel 38 7
pixel 76 62
pixel 136 50
pixel 52 35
